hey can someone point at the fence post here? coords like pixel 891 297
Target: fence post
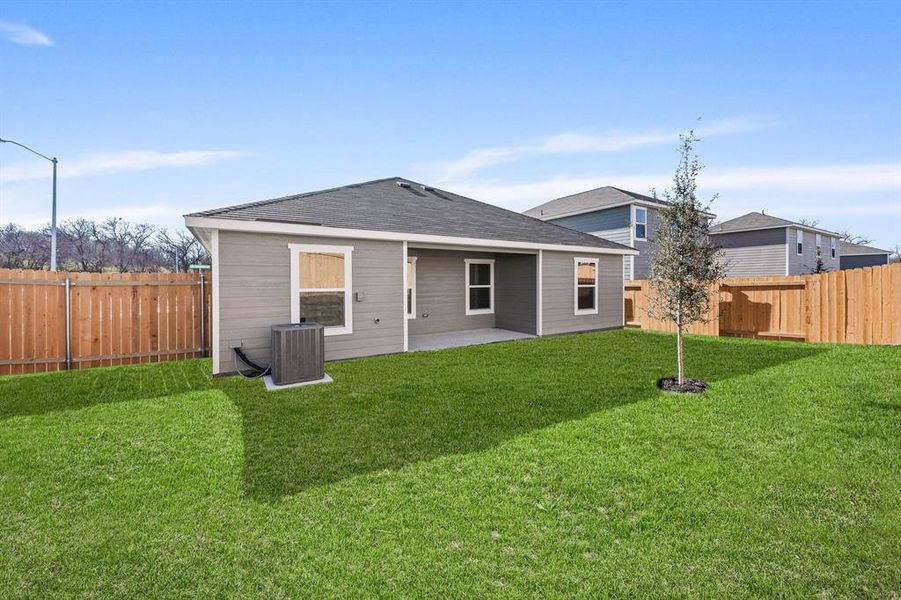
pixel 68 325
pixel 202 316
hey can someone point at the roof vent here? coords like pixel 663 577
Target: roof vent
pixel 427 188
pixel 403 184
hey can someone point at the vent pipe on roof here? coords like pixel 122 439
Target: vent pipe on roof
pixel 403 184
pixel 427 188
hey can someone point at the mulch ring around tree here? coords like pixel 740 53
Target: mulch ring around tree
pixel 689 386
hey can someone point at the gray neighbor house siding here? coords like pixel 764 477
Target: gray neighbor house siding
pixel 758 244
pixel 753 253
pixel 858 261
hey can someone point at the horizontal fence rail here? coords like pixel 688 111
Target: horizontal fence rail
pixel 54 321
pixel 855 306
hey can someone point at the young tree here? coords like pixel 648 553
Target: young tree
pixel 684 265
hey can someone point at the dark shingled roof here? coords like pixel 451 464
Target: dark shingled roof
pixel 850 249
pixel 585 201
pixel 383 205
pixel 756 220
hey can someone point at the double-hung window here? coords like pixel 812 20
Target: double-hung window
pixel 479 286
pixel 800 241
pixel 586 286
pixel 411 287
pixel 321 286
pixel 819 240
pixel 641 223
pixel 832 246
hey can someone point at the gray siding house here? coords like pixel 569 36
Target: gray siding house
pixel 757 244
pixel 855 256
pixel 393 266
pixel 613 214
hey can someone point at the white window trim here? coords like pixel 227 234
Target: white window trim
pixel 833 248
pixel 819 244
pixel 635 222
pixel 295 250
pixel 479 311
pixel 799 241
pixel 412 286
pixel 597 276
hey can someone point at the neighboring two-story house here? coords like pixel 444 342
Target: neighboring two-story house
pixel 757 244
pixel 613 214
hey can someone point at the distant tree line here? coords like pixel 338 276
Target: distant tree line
pixel 113 245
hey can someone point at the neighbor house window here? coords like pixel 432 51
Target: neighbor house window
pixel 411 287
pixel 832 246
pixel 641 223
pixel 321 286
pixel 819 240
pixel 800 242
pixel 586 288
pixel 479 286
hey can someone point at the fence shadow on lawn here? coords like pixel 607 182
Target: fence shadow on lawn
pixel 389 412
pixel 70 390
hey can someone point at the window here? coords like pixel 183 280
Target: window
pixel 479 286
pixel 321 286
pixel 586 286
pixel 800 242
pixel 819 240
pixel 641 223
pixel 411 287
pixel 832 246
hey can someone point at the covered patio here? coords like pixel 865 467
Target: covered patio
pixel 471 337
pixel 466 296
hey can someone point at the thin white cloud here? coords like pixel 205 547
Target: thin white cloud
pixel 23 35
pixel 116 162
pixel 765 182
pixel 578 143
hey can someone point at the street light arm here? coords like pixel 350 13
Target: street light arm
pixel 33 151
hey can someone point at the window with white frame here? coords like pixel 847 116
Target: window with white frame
pixel 800 242
pixel 411 287
pixel 586 286
pixel 321 286
pixel 819 240
pixel 641 223
pixel 479 286
pixel 832 246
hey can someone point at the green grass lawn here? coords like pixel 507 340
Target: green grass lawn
pixel 547 467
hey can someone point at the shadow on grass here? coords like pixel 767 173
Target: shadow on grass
pixel 388 412
pixel 71 390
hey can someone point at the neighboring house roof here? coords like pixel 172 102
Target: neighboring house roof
pixel 592 200
pixel 754 221
pixel 849 249
pixel 401 205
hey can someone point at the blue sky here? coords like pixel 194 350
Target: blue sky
pixel 155 110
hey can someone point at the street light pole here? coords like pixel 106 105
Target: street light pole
pixel 53 223
pixel 53 213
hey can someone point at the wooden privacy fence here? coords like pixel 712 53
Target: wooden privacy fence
pixel 53 321
pixel 856 306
